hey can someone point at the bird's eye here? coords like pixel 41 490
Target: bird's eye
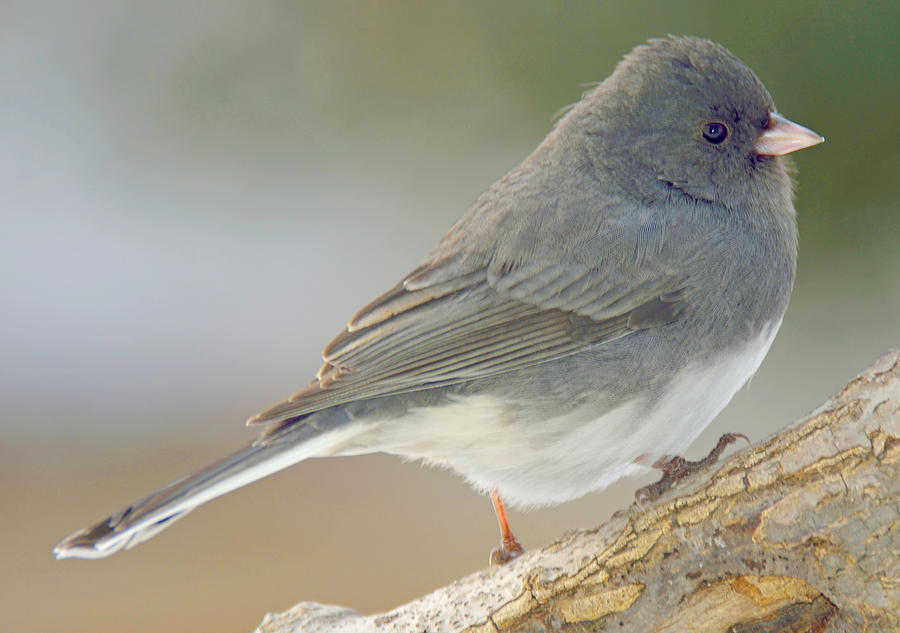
pixel 715 132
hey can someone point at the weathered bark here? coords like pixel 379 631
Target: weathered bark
pixel 798 533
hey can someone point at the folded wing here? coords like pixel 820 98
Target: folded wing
pixel 447 323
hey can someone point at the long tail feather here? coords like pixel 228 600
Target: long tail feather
pixel 145 518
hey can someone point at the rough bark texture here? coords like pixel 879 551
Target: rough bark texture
pixel 800 533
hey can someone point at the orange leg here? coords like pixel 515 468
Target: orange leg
pixel 509 546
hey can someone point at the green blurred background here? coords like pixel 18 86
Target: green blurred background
pixel 197 196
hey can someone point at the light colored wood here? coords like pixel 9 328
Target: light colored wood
pixel 800 533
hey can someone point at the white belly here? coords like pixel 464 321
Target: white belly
pixel 558 459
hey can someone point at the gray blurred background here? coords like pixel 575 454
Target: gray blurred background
pixel 196 197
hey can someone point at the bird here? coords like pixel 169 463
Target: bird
pixel 585 320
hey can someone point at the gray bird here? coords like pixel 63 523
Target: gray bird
pixel 586 319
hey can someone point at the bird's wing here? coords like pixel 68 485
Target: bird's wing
pixel 459 317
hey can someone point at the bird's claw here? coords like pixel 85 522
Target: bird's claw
pixel 677 468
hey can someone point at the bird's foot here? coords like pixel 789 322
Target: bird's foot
pixel 509 549
pixel 676 468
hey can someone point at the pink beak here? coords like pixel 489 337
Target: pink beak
pixel 783 137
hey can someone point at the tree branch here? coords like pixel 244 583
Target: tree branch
pixel 800 533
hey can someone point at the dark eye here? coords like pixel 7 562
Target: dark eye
pixel 715 132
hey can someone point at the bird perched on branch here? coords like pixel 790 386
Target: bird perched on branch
pixel 586 319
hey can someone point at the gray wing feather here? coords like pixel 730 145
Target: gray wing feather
pixel 462 315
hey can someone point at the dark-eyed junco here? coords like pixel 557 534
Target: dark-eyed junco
pixel 590 314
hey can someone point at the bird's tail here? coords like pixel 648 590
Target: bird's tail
pixel 144 519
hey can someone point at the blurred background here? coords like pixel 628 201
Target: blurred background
pixel 196 197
